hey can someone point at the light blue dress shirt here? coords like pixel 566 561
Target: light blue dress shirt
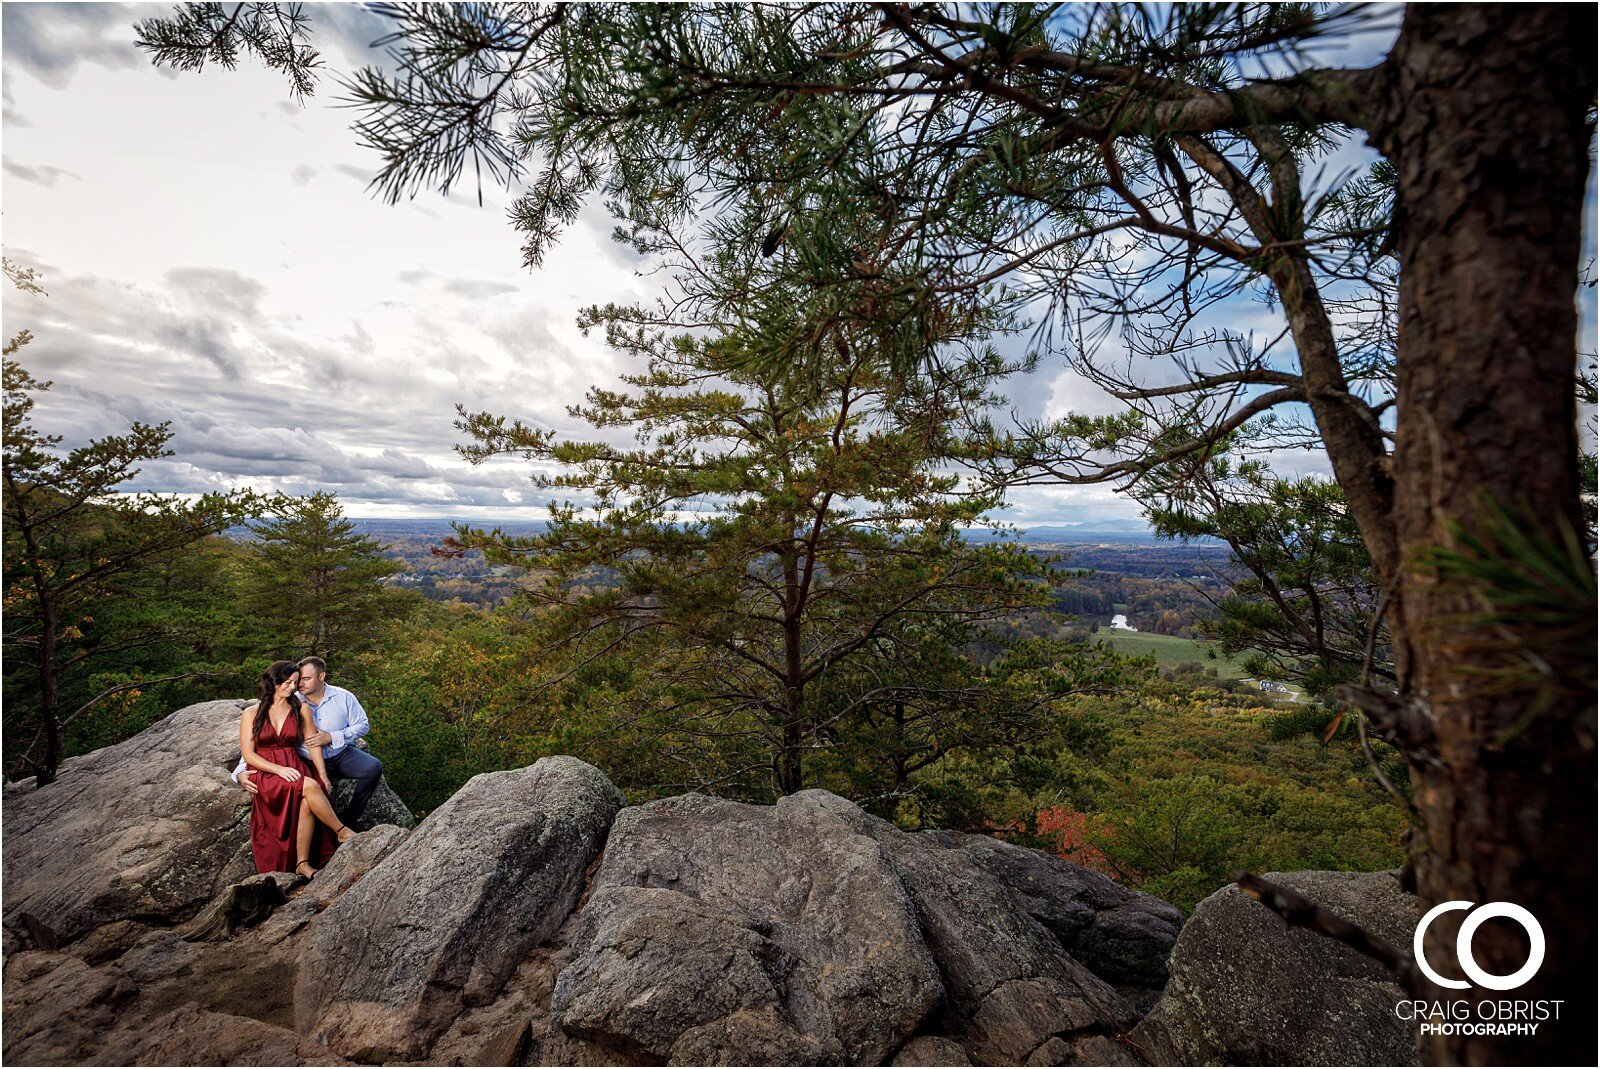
pixel 340 715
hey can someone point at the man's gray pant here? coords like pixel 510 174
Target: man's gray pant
pixel 355 763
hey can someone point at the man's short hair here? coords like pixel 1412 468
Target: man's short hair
pixel 315 662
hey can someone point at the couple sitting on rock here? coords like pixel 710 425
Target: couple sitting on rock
pixel 298 729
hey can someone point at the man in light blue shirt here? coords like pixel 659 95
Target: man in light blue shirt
pixel 340 722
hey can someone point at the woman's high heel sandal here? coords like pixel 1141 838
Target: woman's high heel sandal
pixel 304 863
pixel 338 832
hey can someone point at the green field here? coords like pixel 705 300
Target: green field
pixel 1166 649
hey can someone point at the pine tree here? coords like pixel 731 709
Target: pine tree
pixel 1133 166
pixel 81 558
pixel 774 530
pixel 313 585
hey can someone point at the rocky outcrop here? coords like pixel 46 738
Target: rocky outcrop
pixel 496 932
pixel 147 830
pixel 1122 936
pixel 1249 989
pixel 1013 992
pixel 809 931
pixel 720 933
pixel 443 921
pixel 150 828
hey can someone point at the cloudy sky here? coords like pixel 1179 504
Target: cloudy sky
pixel 213 259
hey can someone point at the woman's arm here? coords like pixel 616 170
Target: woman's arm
pixel 247 745
pixel 308 728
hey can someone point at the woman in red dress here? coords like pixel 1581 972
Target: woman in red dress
pixel 292 823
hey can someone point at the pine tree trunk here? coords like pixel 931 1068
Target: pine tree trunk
pixel 49 695
pixel 790 774
pixel 1487 127
pixel 789 771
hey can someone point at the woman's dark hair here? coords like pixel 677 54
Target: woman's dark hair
pixel 266 691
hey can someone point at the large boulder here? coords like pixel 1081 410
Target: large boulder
pixel 441 922
pixel 1123 936
pixel 1249 989
pixel 719 933
pixel 149 829
pixel 59 1010
pixel 1014 993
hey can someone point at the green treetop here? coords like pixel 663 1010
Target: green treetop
pixel 312 584
pixel 767 532
pixel 81 555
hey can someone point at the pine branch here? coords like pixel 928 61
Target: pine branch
pixel 1300 911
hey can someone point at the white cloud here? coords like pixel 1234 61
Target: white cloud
pixel 52 41
pixel 41 174
pixel 217 262
pixel 214 259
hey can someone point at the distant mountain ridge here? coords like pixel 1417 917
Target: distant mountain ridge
pixel 1111 530
pixel 436 528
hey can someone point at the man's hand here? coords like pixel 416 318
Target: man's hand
pixel 318 738
pixel 247 783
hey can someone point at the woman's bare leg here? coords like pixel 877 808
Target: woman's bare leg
pixel 302 837
pixel 317 800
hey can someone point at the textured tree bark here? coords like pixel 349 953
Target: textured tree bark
pixel 1486 124
pixel 789 773
pixel 1355 445
pixel 49 692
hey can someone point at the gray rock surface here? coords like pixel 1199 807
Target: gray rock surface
pixel 59 1010
pixel 931 1050
pixel 352 861
pixel 1249 989
pixel 724 933
pixel 1011 987
pixel 518 1028
pixel 1122 936
pixel 441 922
pixel 190 1035
pixel 163 956
pixel 150 828
pixel 242 905
pixel 384 807
pixel 109 942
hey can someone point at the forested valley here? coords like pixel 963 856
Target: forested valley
pixel 1164 769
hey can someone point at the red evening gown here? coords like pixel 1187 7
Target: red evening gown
pixel 275 812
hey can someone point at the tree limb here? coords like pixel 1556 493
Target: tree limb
pixel 1302 912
